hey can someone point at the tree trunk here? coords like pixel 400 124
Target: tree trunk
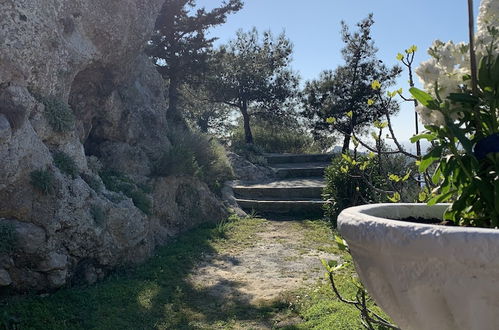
pixel 172 114
pixel 246 120
pixel 346 144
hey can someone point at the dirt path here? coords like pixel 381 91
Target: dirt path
pixel 264 264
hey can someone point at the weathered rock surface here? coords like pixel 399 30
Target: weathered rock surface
pixel 87 54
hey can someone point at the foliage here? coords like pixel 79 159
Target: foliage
pixel 205 115
pixel 251 152
pixel 92 181
pixel 370 315
pixel 97 214
pixel 59 114
pixel 179 46
pixel 43 180
pixel 8 237
pixel 66 164
pixel 346 186
pixel 364 179
pixel 278 137
pixel 343 95
pixel 194 153
pixel 461 121
pixel 119 182
pixel 250 74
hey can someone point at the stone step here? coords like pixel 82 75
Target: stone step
pixel 298 158
pixel 300 170
pixel 283 189
pixel 308 207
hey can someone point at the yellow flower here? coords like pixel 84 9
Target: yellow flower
pixel 330 120
pixel 370 102
pixel 375 85
pixel 411 49
pixel 400 56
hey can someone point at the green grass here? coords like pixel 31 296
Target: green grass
pixel 157 294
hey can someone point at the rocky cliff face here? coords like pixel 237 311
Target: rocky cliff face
pixel 74 82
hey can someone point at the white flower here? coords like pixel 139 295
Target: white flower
pixel 488 20
pixel 430 117
pixel 428 72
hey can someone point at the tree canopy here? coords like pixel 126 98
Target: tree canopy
pixel 344 95
pixel 179 46
pixel 254 76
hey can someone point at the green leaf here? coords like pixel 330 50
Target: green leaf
pixel 442 197
pixel 342 244
pixel 423 97
pixel 459 134
pixel 395 198
pixel 394 177
pixel 430 158
pixel 426 136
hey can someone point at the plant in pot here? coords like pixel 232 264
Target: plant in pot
pixel 431 276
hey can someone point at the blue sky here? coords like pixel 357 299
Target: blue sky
pixel 314 28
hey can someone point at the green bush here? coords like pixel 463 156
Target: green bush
pixel 59 114
pixel 92 181
pixel 119 182
pixel 346 186
pixel 351 182
pixel 8 237
pixel 44 181
pixel 66 164
pixel 277 138
pixel 97 214
pixel 252 152
pixel 196 154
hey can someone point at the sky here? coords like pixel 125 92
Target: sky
pixel 313 26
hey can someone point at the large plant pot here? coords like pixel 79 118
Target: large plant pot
pixel 425 276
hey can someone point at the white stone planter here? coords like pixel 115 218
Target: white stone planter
pixel 425 276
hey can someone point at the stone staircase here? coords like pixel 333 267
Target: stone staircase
pixel 296 191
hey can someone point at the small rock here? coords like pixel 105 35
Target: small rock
pixel 5 279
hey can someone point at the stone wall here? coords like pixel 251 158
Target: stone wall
pixel 87 54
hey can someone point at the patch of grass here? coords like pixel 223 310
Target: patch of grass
pixel 158 294
pixel 58 114
pixel 195 154
pixel 43 180
pixel 66 164
pixel 119 182
pixel 8 237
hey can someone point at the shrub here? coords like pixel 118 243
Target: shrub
pixel 43 180
pixel 351 182
pixel 278 138
pixel 59 114
pixel 66 164
pixel 97 214
pixel 8 237
pixel 253 153
pixel 346 187
pixel 93 182
pixel 195 154
pixel 119 182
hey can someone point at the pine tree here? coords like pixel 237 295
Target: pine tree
pixel 179 46
pixel 343 94
pixel 254 75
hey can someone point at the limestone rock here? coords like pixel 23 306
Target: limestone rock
pixel 86 56
pixel 247 171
